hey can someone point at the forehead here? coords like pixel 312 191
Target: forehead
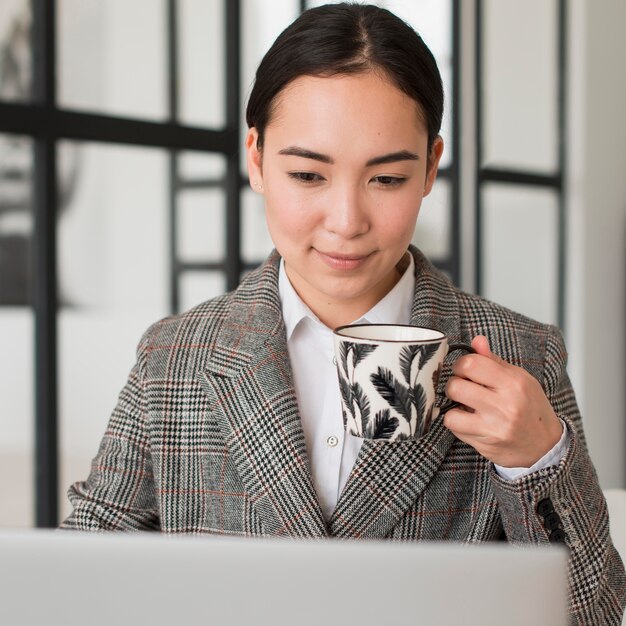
pixel 356 104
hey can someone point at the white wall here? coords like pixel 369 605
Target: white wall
pixel 597 235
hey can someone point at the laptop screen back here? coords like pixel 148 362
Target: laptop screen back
pixel 50 577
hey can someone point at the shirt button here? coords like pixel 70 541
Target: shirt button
pixel 332 441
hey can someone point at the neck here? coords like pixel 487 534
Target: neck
pixel 338 312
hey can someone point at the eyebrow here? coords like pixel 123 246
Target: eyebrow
pixel 392 157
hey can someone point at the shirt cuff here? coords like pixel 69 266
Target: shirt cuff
pixel 552 457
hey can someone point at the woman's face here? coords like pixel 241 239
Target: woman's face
pixel 343 169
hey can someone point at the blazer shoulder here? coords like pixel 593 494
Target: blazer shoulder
pixel 517 338
pixel 178 346
pixel 198 319
pixel 477 309
pixel 191 333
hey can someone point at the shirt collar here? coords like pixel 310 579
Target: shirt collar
pixel 394 308
pixel 294 309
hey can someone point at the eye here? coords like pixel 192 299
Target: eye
pixel 305 177
pixel 389 181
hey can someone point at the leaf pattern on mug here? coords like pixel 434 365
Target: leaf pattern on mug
pixel 384 425
pixel 407 356
pixel 360 351
pixel 393 391
pixel 419 400
pixel 360 406
pixel 426 352
pixel 407 399
pixel 353 396
pixel 344 389
pixel 344 353
pixel 410 400
pixel 436 377
pixel 424 426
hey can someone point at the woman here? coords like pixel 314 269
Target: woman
pixel 230 421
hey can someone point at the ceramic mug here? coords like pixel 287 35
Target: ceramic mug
pixel 388 376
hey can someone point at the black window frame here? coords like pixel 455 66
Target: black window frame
pixel 555 181
pixel 46 123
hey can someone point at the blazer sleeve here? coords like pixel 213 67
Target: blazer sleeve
pixel 565 504
pixel 119 493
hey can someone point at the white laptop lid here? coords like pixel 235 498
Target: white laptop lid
pixel 58 577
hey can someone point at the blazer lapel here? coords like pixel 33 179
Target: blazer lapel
pixel 388 477
pixel 250 384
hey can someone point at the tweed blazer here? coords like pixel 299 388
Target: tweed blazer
pixel 206 438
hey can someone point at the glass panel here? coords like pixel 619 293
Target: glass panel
pixel 261 22
pixel 201 75
pixel 16 220
pixel 16 417
pixel 195 166
pixel 16 334
pixel 201 227
pixel 520 249
pixel 113 257
pixel 113 56
pixel 520 65
pixel 256 242
pixel 196 287
pixel 432 19
pixel 432 233
pixel 15 50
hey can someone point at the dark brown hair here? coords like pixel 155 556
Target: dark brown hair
pixel 348 38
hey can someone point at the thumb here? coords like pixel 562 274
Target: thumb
pixel 480 343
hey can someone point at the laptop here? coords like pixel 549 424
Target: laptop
pixel 69 578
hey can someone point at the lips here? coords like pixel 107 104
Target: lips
pixel 344 262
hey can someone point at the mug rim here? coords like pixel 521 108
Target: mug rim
pixel 338 332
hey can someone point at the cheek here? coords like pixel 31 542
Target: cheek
pixel 287 217
pixel 396 221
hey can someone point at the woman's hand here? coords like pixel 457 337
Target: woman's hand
pixel 506 416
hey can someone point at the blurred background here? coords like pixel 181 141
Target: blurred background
pixel 124 196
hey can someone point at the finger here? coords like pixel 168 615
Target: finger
pixel 480 343
pixel 482 370
pixel 472 395
pixel 465 425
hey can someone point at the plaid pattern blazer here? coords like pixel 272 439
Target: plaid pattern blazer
pixel 206 438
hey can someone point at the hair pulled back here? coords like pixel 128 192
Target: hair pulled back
pixel 348 38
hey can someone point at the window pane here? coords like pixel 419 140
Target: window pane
pixel 432 233
pixel 520 59
pixel 16 417
pixel 16 334
pixel 16 220
pixel 113 56
pixel 198 286
pixel 15 50
pixel 520 239
pixel 201 166
pixel 114 282
pixel 256 242
pixel 201 225
pixel 201 75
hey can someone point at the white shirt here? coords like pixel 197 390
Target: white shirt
pixel 332 453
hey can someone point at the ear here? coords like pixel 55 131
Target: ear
pixel 433 164
pixel 254 159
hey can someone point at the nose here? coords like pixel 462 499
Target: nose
pixel 346 213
